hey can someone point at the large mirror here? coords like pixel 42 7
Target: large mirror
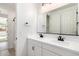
pixel 63 20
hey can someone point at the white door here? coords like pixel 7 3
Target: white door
pixel 14 32
pixel 11 32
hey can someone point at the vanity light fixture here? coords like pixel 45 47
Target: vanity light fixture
pixel 43 4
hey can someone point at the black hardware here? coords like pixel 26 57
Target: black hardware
pixel 16 38
pixel 33 48
pixel 41 35
pixel 77 12
pixel 60 38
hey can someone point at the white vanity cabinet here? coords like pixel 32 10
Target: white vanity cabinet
pixel 46 52
pixel 34 48
pixel 59 51
pixel 39 48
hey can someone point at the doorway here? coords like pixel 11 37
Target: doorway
pixel 3 34
pixel 3 29
pixel 7 29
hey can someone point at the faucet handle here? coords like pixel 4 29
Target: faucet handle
pixel 60 38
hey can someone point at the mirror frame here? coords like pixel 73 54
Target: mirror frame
pixel 77 24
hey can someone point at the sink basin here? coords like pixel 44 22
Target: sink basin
pixel 66 43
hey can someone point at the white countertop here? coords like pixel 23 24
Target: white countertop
pixel 72 45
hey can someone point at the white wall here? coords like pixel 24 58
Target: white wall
pixel 25 13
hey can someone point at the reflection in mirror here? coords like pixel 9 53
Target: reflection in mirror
pixel 62 20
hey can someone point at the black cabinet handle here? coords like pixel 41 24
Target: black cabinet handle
pixel 33 48
pixel 16 38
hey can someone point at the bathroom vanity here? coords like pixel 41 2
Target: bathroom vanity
pixel 49 46
pixel 61 21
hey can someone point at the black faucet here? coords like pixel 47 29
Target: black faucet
pixel 60 38
pixel 41 35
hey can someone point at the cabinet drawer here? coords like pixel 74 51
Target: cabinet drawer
pixel 58 50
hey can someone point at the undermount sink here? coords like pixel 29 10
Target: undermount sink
pixel 67 43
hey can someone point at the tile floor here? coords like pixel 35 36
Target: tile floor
pixel 4 51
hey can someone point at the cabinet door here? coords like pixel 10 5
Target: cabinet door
pixel 48 53
pixel 34 48
pixel 30 49
pixel 37 51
